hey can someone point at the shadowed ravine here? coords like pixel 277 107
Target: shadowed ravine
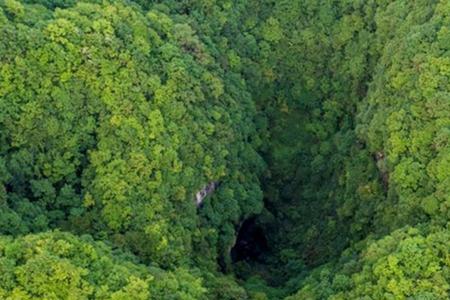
pixel 224 149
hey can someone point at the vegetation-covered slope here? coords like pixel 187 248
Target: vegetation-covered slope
pixel 56 265
pixel 112 119
pixel 115 114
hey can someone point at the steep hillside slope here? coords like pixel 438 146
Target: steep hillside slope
pixel 225 149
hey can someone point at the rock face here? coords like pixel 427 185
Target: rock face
pixel 205 191
pixel 381 164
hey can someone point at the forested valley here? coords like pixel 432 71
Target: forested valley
pixel 225 149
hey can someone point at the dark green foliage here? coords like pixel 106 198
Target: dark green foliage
pixel 114 114
pixel 113 119
pixel 407 263
pixel 357 135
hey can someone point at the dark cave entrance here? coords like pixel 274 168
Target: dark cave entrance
pixel 251 242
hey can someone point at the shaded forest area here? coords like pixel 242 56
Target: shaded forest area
pixel 232 149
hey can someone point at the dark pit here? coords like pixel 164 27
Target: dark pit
pixel 251 243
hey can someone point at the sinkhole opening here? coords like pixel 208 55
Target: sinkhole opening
pixel 251 243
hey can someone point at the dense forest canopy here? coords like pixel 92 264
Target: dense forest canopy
pixel 237 149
